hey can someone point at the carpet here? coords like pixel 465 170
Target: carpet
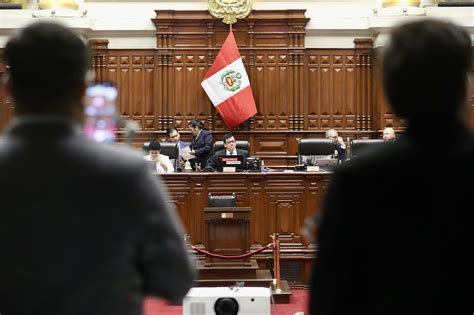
pixel 298 303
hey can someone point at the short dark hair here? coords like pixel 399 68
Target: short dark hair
pixel 154 145
pixel 47 63
pixel 196 123
pixel 227 136
pixel 170 130
pixel 425 68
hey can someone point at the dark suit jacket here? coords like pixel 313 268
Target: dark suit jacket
pixel 202 145
pixel 397 229
pixel 212 162
pixel 84 228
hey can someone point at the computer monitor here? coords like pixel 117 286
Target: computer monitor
pixel 227 163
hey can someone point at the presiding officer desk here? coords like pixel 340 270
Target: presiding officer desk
pixel 280 203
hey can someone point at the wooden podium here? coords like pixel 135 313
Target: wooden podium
pixel 228 234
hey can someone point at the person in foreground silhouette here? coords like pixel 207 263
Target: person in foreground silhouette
pixel 410 251
pixel 84 227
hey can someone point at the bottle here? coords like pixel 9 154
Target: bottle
pixel 187 166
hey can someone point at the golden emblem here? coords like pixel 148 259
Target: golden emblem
pixel 229 10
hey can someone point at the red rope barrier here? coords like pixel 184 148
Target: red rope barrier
pixel 232 257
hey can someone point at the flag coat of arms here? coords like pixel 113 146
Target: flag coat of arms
pixel 228 86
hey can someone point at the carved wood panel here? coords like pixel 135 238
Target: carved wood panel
pixel 133 73
pixel 331 88
pixel 279 202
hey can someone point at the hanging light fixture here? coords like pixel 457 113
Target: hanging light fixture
pixel 58 8
pixel 401 3
pixel 58 4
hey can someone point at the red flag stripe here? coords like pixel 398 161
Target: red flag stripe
pixel 237 108
pixel 227 55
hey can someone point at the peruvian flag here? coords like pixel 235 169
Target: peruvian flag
pixel 228 86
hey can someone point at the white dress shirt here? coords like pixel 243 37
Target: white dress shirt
pixel 159 167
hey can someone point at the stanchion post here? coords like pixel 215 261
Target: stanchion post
pixel 277 266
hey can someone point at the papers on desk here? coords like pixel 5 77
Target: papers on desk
pixel 185 155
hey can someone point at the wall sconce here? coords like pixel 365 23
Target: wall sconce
pixel 405 11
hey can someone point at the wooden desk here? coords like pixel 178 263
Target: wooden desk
pixel 280 203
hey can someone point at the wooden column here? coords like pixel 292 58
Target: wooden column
pixel 363 49
pixel 99 48
pixel 6 105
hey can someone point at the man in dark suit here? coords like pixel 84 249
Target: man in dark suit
pixel 230 149
pixel 397 232
pixel 201 144
pixel 84 227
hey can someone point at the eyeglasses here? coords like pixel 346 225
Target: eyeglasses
pixel 230 141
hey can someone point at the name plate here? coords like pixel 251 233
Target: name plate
pixel 227 215
pixel 313 168
pixel 228 169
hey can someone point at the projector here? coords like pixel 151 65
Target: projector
pixel 227 301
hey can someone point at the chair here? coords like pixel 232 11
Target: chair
pixel 169 149
pixel 358 146
pixel 221 201
pixel 146 147
pixel 240 144
pixel 311 150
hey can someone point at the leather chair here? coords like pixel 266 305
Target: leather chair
pixel 314 149
pixel 241 144
pixel 221 201
pixel 169 149
pixel 360 145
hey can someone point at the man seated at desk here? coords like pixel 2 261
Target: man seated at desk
pixel 162 162
pixel 230 149
pixel 175 137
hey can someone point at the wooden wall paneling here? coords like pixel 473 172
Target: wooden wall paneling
pixel 124 84
pixel 383 114
pixel 160 88
pixel 311 110
pixel 363 49
pixel 258 199
pixel 6 104
pixel 263 39
pixel 274 87
pixel 196 201
pixel 285 203
pixel 470 114
pixel 338 91
pixel 349 91
pixel 99 49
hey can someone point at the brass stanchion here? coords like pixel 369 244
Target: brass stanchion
pixel 276 263
pixel 278 287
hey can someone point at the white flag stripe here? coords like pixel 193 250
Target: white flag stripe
pixel 214 87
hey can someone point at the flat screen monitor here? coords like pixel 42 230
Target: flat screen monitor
pixel 226 163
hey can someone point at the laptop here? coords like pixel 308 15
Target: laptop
pixel 230 163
